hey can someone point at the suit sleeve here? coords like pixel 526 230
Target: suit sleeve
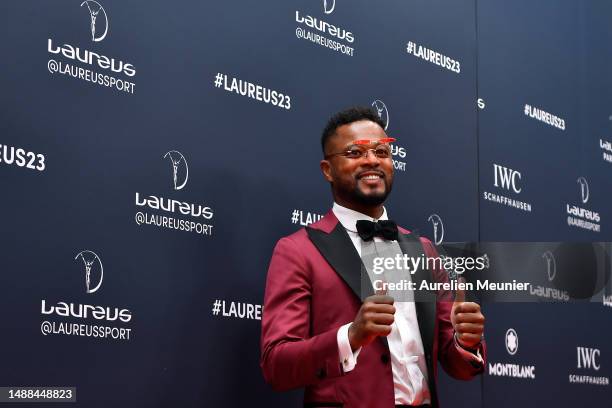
pixel 456 361
pixel 290 356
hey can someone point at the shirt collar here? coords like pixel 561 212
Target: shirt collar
pixel 348 218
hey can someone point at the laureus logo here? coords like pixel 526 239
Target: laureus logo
pixel 92 263
pixel 511 341
pixel 94 12
pixel 383 112
pixel 329 6
pixel 551 265
pixel 180 169
pixel 438 228
pixel 584 189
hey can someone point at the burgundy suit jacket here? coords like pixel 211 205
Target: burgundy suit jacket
pixel 314 286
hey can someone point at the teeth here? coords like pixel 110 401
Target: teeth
pixel 372 177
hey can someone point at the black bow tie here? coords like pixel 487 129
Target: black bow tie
pixel 367 230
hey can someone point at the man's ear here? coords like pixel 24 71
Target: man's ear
pixel 326 169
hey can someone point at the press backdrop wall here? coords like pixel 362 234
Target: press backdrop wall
pixel 521 85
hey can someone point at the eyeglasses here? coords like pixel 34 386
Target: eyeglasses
pixel 357 149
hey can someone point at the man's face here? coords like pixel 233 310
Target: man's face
pixel 365 181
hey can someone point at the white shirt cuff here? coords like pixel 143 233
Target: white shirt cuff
pixel 468 355
pixel 348 358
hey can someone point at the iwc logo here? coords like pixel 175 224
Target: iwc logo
pixel 96 10
pixel 511 180
pixel 588 358
pixel 94 271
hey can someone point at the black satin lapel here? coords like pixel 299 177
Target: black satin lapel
pixel 425 302
pixel 339 251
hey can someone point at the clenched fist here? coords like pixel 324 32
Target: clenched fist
pixel 467 321
pixel 373 319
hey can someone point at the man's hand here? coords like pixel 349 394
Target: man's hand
pixel 373 319
pixel 467 321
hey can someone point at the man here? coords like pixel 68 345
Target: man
pixel 319 329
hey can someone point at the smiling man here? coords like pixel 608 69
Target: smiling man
pixel 324 329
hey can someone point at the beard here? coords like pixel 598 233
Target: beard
pixel 372 199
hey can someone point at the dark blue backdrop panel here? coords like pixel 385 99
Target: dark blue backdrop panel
pixel 252 164
pixel 549 57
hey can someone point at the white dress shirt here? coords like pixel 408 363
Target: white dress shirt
pixel 405 344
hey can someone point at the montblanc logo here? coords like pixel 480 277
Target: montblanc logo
pixel 551 265
pixel 94 271
pixel 438 228
pixel 511 341
pixel 180 169
pixel 510 369
pixel 584 189
pixel 383 112
pixel 95 11
pixel 329 6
